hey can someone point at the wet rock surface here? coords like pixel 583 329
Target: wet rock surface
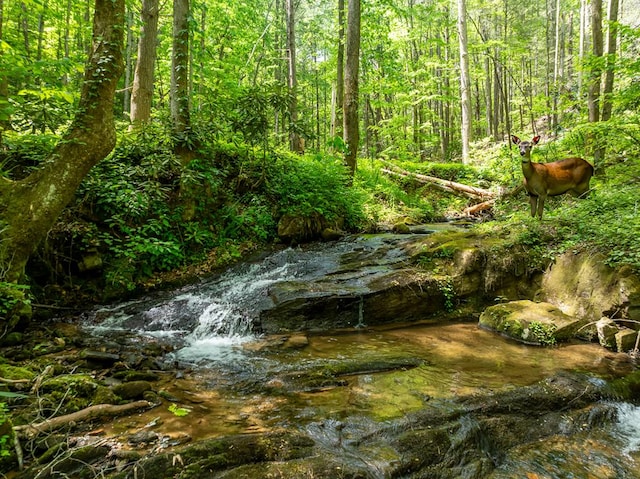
pixel 364 282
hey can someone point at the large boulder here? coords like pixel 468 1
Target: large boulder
pixel 530 322
pixel 584 286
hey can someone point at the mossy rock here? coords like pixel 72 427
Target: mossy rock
pixel 79 385
pixel 8 371
pixel 132 390
pixel 530 322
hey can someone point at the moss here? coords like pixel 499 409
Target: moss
pixel 77 385
pixel 16 373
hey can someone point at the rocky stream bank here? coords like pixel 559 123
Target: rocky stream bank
pixel 64 386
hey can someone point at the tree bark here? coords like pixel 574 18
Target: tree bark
pixel 336 116
pixel 465 82
pixel 350 108
pixel 612 36
pixel 179 97
pixel 29 207
pixel 142 92
pixel 596 70
pixel 295 142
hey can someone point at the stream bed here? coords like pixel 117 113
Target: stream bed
pixel 359 394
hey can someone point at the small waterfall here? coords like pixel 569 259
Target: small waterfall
pixel 209 320
pixel 628 427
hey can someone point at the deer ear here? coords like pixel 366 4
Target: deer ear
pixel 535 140
pixel 515 139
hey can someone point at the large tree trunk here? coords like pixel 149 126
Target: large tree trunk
pixel 351 126
pixel 142 93
pixel 29 207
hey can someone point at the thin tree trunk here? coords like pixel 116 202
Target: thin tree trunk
pixel 128 67
pixel 556 69
pixel 295 143
pixel 336 116
pixel 582 42
pixel 142 91
pixel 351 123
pixel 596 72
pixel 465 81
pixel 612 36
pixel 595 76
pixel 5 123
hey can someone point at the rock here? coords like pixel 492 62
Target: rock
pixel 584 286
pixel 297 229
pixel 330 234
pixel 607 330
pixel 529 322
pixel 401 228
pixel 99 356
pixel 143 437
pixel 132 390
pixel 625 340
pixel 91 261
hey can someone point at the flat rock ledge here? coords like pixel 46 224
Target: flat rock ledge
pixel 530 322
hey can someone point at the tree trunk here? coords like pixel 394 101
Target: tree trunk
pixel 351 123
pixel 5 124
pixel 179 97
pixel 29 207
pixel 142 92
pixel 465 82
pixel 336 116
pixel 294 138
pixel 612 35
pixel 128 67
pixel 595 77
pixel 596 71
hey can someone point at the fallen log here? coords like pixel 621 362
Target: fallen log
pixel 445 185
pixel 91 412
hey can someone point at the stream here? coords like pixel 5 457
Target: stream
pixel 339 387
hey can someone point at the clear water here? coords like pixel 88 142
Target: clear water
pixel 241 383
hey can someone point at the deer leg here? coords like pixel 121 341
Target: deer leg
pixel 541 205
pixel 533 201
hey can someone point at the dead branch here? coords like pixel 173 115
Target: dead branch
pixel 91 412
pixel 14 381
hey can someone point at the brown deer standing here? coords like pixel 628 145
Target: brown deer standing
pixel 571 175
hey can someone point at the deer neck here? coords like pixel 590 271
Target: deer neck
pixel 527 167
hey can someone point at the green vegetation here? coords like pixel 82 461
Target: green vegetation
pixel 143 214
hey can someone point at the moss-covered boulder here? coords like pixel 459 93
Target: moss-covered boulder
pixel 530 322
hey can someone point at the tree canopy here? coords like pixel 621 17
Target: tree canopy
pixel 529 62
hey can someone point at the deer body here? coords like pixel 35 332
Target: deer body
pixel 571 175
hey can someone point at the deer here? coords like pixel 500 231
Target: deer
pixel 571 175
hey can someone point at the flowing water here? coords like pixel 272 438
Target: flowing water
pixel 242 382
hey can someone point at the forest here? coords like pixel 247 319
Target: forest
pixel 143 142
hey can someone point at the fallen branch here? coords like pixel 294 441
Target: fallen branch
pixel 14 381
pixel 487 205
pixel 91 412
